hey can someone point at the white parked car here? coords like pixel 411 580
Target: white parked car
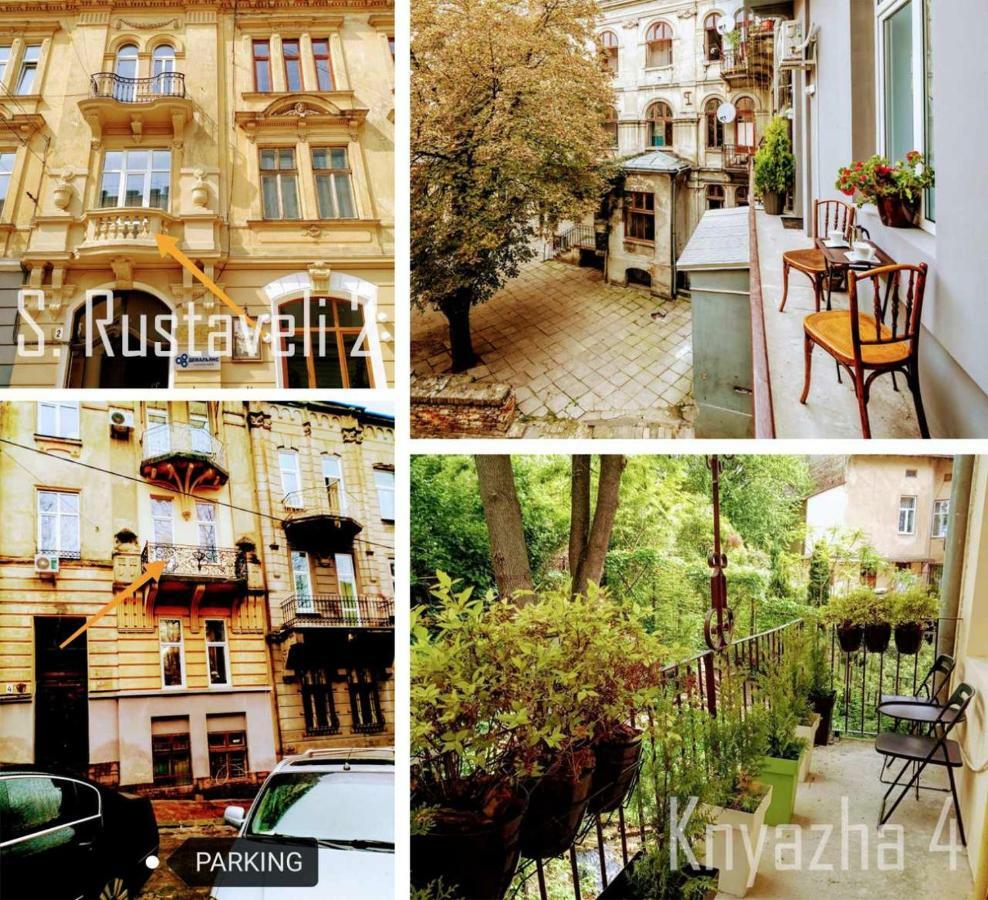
pixel 344 800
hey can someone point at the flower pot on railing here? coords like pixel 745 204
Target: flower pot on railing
pixel 849 637
pixel 474 853
pixel 909 637
pixel 557 805
pixel 824 705
pixel 626 887
pixel 618 760
pixel 896 212
pixel 877 637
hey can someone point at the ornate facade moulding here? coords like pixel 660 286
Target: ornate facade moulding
pixel 84 8
pixel 301 114
pixel 173 24
pixel 22 124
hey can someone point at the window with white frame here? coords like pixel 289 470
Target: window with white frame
pixel 29 70
pixel 291 479
pixel 302 580
pixel 941 515
pixel 279 183
pixel 6 171
pixel 217 652
pixel 905 92
pixel 384 481
pixel 333 185
pixel 172 653
pixel 58 523
pixel 136 178
pixel 162 522
pixel 332 473
pixel 58 419
pixel 907 515
pixel 206 526
pixel 5 51
pixel 201 437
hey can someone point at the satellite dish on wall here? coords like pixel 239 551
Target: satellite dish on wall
pixel 726 112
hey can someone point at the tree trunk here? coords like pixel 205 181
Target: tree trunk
pixel 457 312
pixel 579 520
pixel 509 555
pixel 591 565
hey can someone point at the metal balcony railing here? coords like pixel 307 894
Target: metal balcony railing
pixel 110 86
pixel 188 561
pixel 338 611
pixel 180 439
pixel 329 501
pixel 736 157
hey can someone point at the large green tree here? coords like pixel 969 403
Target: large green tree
pixel 508 104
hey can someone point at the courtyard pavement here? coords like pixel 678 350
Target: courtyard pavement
pixel 586 359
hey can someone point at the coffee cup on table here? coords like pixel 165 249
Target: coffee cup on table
pixel 836 237
pixel 864 250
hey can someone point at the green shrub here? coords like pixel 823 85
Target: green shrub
pixel 913 605
pixel 775 165
pixel 862 606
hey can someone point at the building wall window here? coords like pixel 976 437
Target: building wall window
pixel 639 216
pixel 291 479
pixel 136 178
pixel 291 53
pixel 227 754
pixel 6 171
pixel 611 127
pixel 324 353
pixel 5 51
pixel 59 419
pixel 279 183
pixel 163 69
pixel 384 481
pixel 744 124
pixel 715 196
pixel 658 46
pixel 172 653
pixel 333 186
pixel 302 581
pixel 206 528
pixel 659 117
pixel 608 44
pixel 365 701
pixel 162 522
pixel 713 40
pixel 29 70
pixel 741 195
pixel 318 703
pixel 171 759
pixel 217 652
pixel 262 66
pixel 715 128
pixel 58 524
pixel 941 516
pixel 907 515
pixel 332 473
pixel 324 66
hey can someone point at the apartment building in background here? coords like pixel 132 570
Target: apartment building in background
pixel 181 687
pixel 257 135
pixel 900 504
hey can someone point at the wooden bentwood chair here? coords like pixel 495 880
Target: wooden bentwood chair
pixel 837 215
pixel 887 341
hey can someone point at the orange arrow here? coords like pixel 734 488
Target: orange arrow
pixel 151 573
pixel 168 246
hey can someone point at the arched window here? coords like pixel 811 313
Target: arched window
pixel 608 44
pixel 163 69
pixel 323 353
pixel 659 118
pixel 715 128
pixel 741 195
pixel 611 127
pixel 658 40
pixel 744 124
pixel 713 40
pixel 126 71
pixel 715 196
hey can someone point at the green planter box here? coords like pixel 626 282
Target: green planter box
pixel 783 777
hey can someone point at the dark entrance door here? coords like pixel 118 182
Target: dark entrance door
pixel 61 718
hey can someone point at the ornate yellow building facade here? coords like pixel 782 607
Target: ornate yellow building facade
pixel 271 629
pixel 258 135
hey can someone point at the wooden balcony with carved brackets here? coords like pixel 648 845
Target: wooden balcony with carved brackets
pixel 128 231
pixel 137 107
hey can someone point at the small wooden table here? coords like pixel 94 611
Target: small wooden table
pixel 836 261
pixel 919 713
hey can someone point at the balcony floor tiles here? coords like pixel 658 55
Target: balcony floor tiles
pixel 850 768
pixel 831 411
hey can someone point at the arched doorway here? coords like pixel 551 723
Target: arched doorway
pixel 109 368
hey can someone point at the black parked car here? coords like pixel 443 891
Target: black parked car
pixel 65 838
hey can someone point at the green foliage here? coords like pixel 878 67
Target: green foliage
pixel 862 606
pixel 915 604
pixel 775 165
pixel 818 582
pixel 782 709
pixel 869 180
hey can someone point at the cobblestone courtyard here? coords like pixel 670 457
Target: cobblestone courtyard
pixel 586 359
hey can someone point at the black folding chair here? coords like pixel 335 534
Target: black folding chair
pixel 920 751
pixel 928 691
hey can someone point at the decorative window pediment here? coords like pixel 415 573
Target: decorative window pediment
pixel 301 112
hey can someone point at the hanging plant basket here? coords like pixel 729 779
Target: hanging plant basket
pixel 909 637
pixel 471 852
pixel 849 637
pixel 877 637
pixel 618 762
pixel 556 806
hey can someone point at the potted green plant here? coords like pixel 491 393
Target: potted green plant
pixel 467 804
pixel 876 617
pixel 897 190
pixel 860 614
pixel 781 764
pixel 911 611
pixel 775 166
pixel 820 694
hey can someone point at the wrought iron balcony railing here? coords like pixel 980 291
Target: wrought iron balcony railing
pixel 190 562
pixel 736 157
pixel 110 86
pixel 319 520
pixel 178 439
pixel 338 611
